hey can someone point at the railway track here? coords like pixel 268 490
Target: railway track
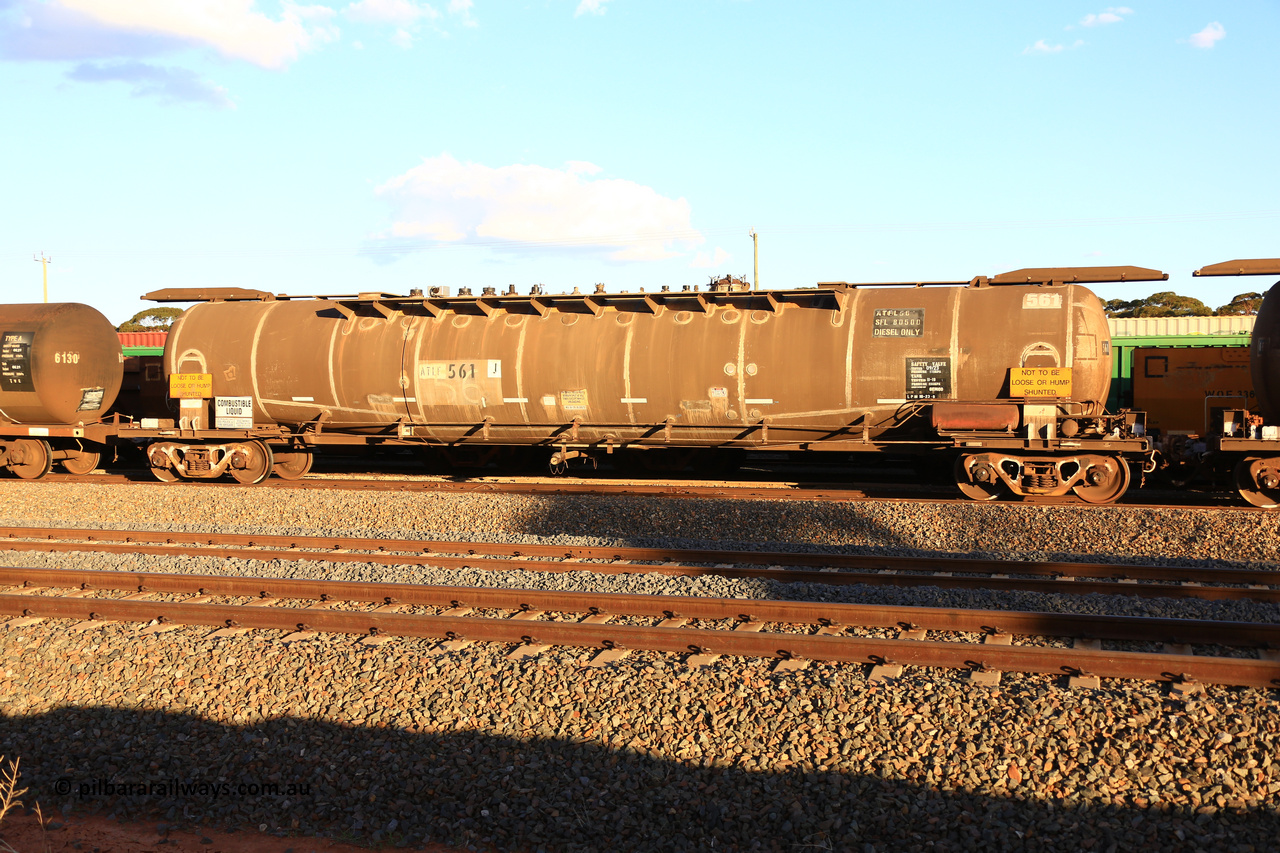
pixel 523 486
pixel 724 490
pixel 613 624
pixel 836 569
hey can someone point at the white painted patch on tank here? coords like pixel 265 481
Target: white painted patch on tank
pixel 626 372
pixel 333 345
pixel 953 346
pixel 848 349
pixel 409 358
pixel 816 413
pixel 1041 300
pixel 1070 318
pixel 520 392
pixel 354 410
pixel 253 357
pixel 1041 348
pixel 195 355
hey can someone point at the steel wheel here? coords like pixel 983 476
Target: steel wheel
pixel 1106 481
pixel 254 466
pixel 972 489
pixel 1251 476
pixel 291 464
pixel 165 475
pixel 80 461
pixel 161 468
pixel 30 458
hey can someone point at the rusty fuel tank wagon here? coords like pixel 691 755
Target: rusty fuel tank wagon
pixel 60 370
pixel 1008 374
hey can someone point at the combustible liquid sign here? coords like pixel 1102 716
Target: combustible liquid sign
pixel 191 385
pixel 1040 382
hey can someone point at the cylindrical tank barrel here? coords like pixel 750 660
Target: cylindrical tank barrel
pixel 60 363
pixel 805 363
pixel 1264 356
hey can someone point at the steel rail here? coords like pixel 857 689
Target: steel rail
pixel 790 491
pixel 665 490
pixel 844 648
pixel 691 489
pixel 1179 631
pixel 1066 586
pixel 699 555
pixel 1067 575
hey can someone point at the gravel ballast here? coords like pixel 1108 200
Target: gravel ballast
pixel 391 745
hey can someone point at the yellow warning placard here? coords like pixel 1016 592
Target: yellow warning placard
pixel 1040 382
pixel 190 386
pixel 574 400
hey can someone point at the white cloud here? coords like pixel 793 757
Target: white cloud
pixel 402 38
pixel 407 16
pixel 1112 15
pixel 112 41
pixel 1210 35
pixel 462 9
pixel 399 13
pixel 590 7
pixel 707 260
pixel 523 207
pixel 1098 20
pixel 125 31
pixel 1042 46
pixel 231 27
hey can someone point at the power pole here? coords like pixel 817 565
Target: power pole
pixel 755 245
pixel 44 264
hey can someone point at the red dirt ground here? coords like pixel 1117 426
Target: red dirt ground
pixel 101 835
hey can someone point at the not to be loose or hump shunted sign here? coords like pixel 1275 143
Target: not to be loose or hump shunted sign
pixel 1040 382
pixel 191 386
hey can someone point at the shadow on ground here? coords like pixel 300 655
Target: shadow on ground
pixel 385 786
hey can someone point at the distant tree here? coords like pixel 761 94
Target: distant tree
pixel 151 320
pixel 1163 304
pixel 1120 308
pixel 1242 304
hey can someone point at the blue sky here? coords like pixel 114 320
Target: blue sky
pixel 380 145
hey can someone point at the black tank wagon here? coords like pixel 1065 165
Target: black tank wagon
pixel 60 370
pixel 1009 371
pixel 1004 376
